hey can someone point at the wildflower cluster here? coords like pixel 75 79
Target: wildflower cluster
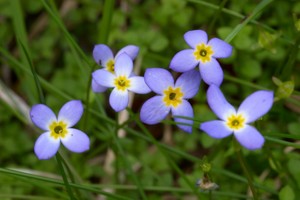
pixel 171 96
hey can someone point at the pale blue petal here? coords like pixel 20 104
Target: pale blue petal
pixel 104 78
pixel 41 115
pixel 195 37
pixel 249 137
pixel 184 61
pixel 184 109
pixel 102 54
pixel 220 48
pixel 218 103
pixel 216 129
pixel 154 110
pixel 123 65
pixel 97 88
pixel 189 82
pixel 158 79
pixel 76 141
pixel 138 85
pixel 131 50
pixel 45 146
pixel 118 100
pixel 256 105
pixel 71 112
pixel 211 72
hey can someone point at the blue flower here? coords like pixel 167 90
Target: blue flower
pixel 237 121
pixel 104 57
pixel 204 54
pixel 58 129
pixel 171 97
pixel 122 81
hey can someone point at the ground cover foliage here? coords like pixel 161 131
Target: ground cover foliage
pixel 46 55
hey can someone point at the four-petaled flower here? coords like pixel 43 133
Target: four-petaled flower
pixel 58 129
pixel 171 97
pixel 236 121
pixel 204 54
pixel 104 57
pixel 122 81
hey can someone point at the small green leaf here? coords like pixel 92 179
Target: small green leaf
pixel 267 40
pixel 284 90
pixel 286 193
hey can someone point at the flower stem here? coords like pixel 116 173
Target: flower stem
pixel 63 174
pixel 245 169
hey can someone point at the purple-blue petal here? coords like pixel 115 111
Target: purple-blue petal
pixel 102 54
pixel 104 78
pixel 131 50
pixel 211 72
pixel 249 137
pixel 189 82
pixel 220 48
pixel 71 112
pixel 216 129
pixel 118 100
pixel 138 85
pixel 45 146
pixel 158 79
pixel 97 88
pixel 184 61
pixel 218 103
pixel 123 65
pixel 256 105
pixel 184 110
pixel 154 110
pixel 76 141
pixel 195 37
pixel 41 115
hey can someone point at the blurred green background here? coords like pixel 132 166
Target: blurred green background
pixel 57 39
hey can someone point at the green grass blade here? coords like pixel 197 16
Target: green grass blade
pixel 259 8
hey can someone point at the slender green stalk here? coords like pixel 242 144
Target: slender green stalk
pixel 106 20
pixel 253 14
pixel 216 16
pixel 177 169
pixel 282 142
pixel 18 65
pixel 128 167
pixel 64 176
pixel 285 71
pixel 245 169
pixel 243 82
pixel 87 98
pixel 69 37
pixel 156 143
pixel 96 188
pixel 59 182
pixel 240 178
pixel 36 80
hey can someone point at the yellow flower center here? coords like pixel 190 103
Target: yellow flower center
pixel 58 129
pixel 203 53
pixel 110 66
pixel 122 83
pixel 173 97
pixel 235 122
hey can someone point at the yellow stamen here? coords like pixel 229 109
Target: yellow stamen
pixel 203 53
pixel 110 66
pixel 235 122
pixel 173 97
pixel 122 83
pixel 58 129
